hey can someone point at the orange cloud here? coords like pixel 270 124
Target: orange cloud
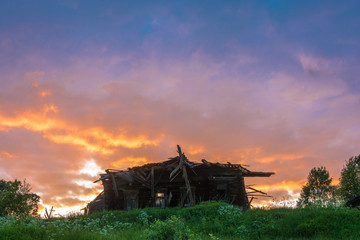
pixel 45 93
pixel 37 122
pixel 246 153
pixel 98 140
pixel 70 202
pixel 90 168
pixel 129 162
pixel 94 139
pixel 280 157
pixel 33 77
pixel 283 186
pixel 51 108
pixel 5 154
pixel 195 150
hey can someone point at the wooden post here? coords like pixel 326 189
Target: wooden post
pixel 185 175
pixel 116 191
pixel 192 202
pixel 244 201
pixel 152 187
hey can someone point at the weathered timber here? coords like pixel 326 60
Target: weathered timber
pixel 354 202
pixel 116 191
pixel 185 175
pixel 244 201
pixel 161 184
pixel 152 187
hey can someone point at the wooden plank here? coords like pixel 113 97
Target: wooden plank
pixel 258 195
pixel 183 199
pixel 152 187
pixel 116 191
pixel 255 190
pixel 169 199
pixel 172 179
pixel 175 171
pixel 259 174
pixel 141 172
pixel 244 201
pixel 192 202
pixel 148 176
pixel 185 175
pixel 141 180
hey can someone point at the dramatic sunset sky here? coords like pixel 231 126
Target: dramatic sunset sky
pixel 91 85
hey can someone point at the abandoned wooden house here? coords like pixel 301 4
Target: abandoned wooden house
pixel 176 182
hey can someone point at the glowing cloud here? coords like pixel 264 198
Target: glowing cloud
pixel 280 157
pixel 92 139
pixel 5 154
pixel 118 91
pixel 283 185
pixel 129 162
pixel 196 150
pixel 30 121
pixel 91 168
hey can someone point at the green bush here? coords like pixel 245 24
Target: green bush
pixel 210 220
pixel 173 228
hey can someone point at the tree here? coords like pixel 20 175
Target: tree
pixel 350 179
pixel 16 198
pixel 317 191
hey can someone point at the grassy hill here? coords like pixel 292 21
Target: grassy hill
pixel 209 220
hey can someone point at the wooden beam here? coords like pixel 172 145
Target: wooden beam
pixel 172 179
pixel 259 174
pixel 116 191
pixel 255 190
pixel 182 200
pixel 244 201
pixel 192 202
pixel 185 175
pixel 152 187
pixel 175 171
pixel 258 195
pixel 141 172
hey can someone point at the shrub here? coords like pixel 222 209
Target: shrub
pixel 171 229
pixel 16 198
pixel 317 191
pixel 350 179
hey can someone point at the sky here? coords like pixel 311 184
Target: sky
pixel 91 85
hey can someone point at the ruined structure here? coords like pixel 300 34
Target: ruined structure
pixel 176 182
pixel 354 202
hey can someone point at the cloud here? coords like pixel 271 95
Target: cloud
pixel 317 65
pixel 280 157
pixel 91 168
pixel 4 174
pixel 94 139
pixel 6 155
pixel 278 122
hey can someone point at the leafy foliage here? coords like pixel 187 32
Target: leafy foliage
pixel 173 228
pixel 350 179
pixel 16 198
pixel 317 191
pixel 208 221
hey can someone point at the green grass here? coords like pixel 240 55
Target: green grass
pixel 210 220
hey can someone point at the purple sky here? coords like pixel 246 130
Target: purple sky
pixel 90 85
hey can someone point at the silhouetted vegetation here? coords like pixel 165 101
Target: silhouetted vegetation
pixel 350 179
pixel 16 198
pixel 316 218
pixel 317 190
pixel 209 220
